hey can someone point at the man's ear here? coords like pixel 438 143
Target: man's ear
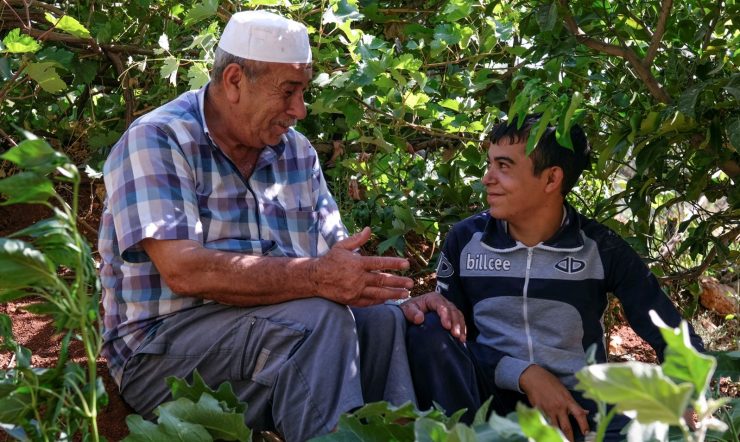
pixel 231 81
pixel 555 177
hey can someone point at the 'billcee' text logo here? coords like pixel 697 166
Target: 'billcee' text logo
pixel 570 265
pixel 483 262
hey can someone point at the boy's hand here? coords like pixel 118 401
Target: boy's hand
pixel 451 318
pixel 549 395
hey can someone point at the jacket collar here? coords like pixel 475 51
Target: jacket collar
pixel 567 239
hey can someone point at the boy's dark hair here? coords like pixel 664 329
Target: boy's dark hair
pixel 549 152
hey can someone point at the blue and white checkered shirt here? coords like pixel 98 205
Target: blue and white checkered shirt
pixel 167 179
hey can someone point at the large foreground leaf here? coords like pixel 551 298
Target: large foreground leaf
pixel 207 412
pixel 636 387
pixel 23 266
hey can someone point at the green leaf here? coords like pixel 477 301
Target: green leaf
pixel 428 430
pixel 167 429
pixel 562 133
pixel 198 76
pixel 687 101
pixel 395 241
pixel 22 266
pixel 373 422
pixel 341 12
pixel 733 133
pixel 35 155
pixel 682 361
pixel 457 9
pixel 382 412
pixel 207 412
pixel 480 415
pixel 501 429
pixel 60 56
pixel 17 43
pixel 225 394
pixel 46 76
pixel 535 427
pixel 201 11
pixel 451 104
pixel 538 130
pixel 26 187
pixel 169 69
pixel 638 388
pixel 53 237
pixel 407 62
pixel 14 406
pixel 68 24
pixel 728 364
pixel 547 16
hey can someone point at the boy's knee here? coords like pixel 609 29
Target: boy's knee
pixel 429 337
pixel 431 328
pixel 380 317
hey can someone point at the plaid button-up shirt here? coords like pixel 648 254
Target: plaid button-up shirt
pixel 167 179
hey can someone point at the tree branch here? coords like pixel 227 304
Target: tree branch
pixel 31 3
pixel 7 138
pixel 419 128
pixel 87 42
pixel 642 72
pixel 128 96
pixel 696 272
pixel 710 29
pixel 655 41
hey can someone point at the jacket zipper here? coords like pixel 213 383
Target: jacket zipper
pixel 524 306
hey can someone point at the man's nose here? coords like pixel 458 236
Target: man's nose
pixel 297 107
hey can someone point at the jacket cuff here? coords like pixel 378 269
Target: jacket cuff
pixel 508 372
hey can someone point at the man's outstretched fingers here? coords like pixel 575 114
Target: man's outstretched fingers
pixel 387 280
pixel 377 263
pixel 355 241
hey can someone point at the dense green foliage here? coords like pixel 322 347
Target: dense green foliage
pixel 405 93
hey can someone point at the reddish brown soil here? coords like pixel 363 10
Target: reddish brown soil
pixel 37 332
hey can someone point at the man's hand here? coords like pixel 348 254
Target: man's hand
pixel 550 396
pixel 352 279
pixel 450 316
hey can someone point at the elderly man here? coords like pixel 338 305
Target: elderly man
pixel 223 251
pixel 529 278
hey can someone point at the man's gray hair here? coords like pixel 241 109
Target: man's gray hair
pixel 253 69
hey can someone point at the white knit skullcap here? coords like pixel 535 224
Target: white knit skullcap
pixel 264 36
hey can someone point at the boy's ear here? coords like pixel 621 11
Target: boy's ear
pixel 555 177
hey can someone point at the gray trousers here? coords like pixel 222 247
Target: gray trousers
pixel 299 365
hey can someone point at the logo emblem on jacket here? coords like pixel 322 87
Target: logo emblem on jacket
pixel 570 265
pixel 444 268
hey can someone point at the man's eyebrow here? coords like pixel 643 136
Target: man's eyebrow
pixel 293 83
pixel 505 159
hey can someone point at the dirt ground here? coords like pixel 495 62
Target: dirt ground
pixel 37 332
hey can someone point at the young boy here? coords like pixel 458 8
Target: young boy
pixel 530 279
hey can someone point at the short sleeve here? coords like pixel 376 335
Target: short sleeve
pixel 151 190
